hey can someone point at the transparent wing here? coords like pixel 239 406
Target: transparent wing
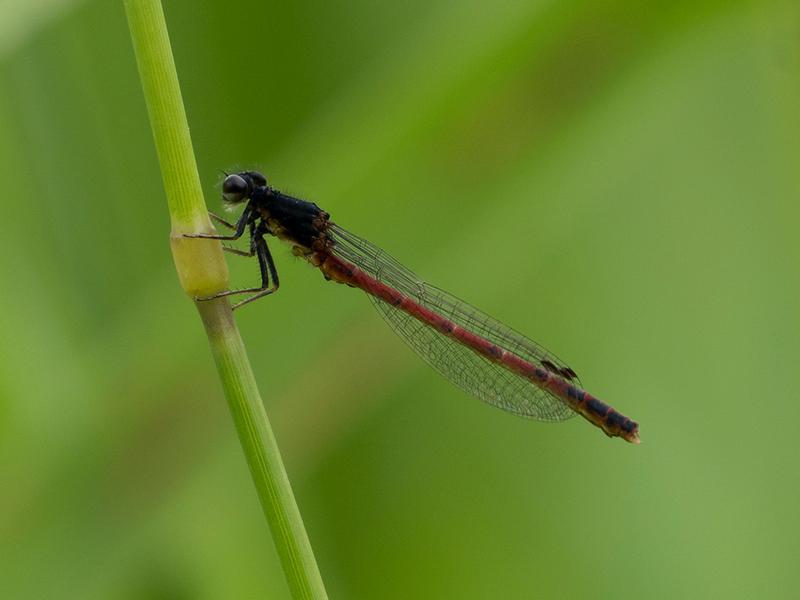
pixel 467 369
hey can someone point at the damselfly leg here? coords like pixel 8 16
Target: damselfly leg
pixel 221 221
pixel 248 253
pixel 241 225
pixel 259 248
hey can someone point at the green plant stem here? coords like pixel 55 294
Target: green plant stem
pixel 262 451
pixel 202 271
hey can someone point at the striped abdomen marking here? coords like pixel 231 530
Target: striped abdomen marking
pixel 593 410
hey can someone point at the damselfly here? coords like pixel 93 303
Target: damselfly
pixel 474 351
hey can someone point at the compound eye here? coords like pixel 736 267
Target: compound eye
pixel 234 189
pixel 258 178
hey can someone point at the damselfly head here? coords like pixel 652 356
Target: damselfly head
pixel 238 187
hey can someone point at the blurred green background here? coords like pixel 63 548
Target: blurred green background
pixel 617 179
